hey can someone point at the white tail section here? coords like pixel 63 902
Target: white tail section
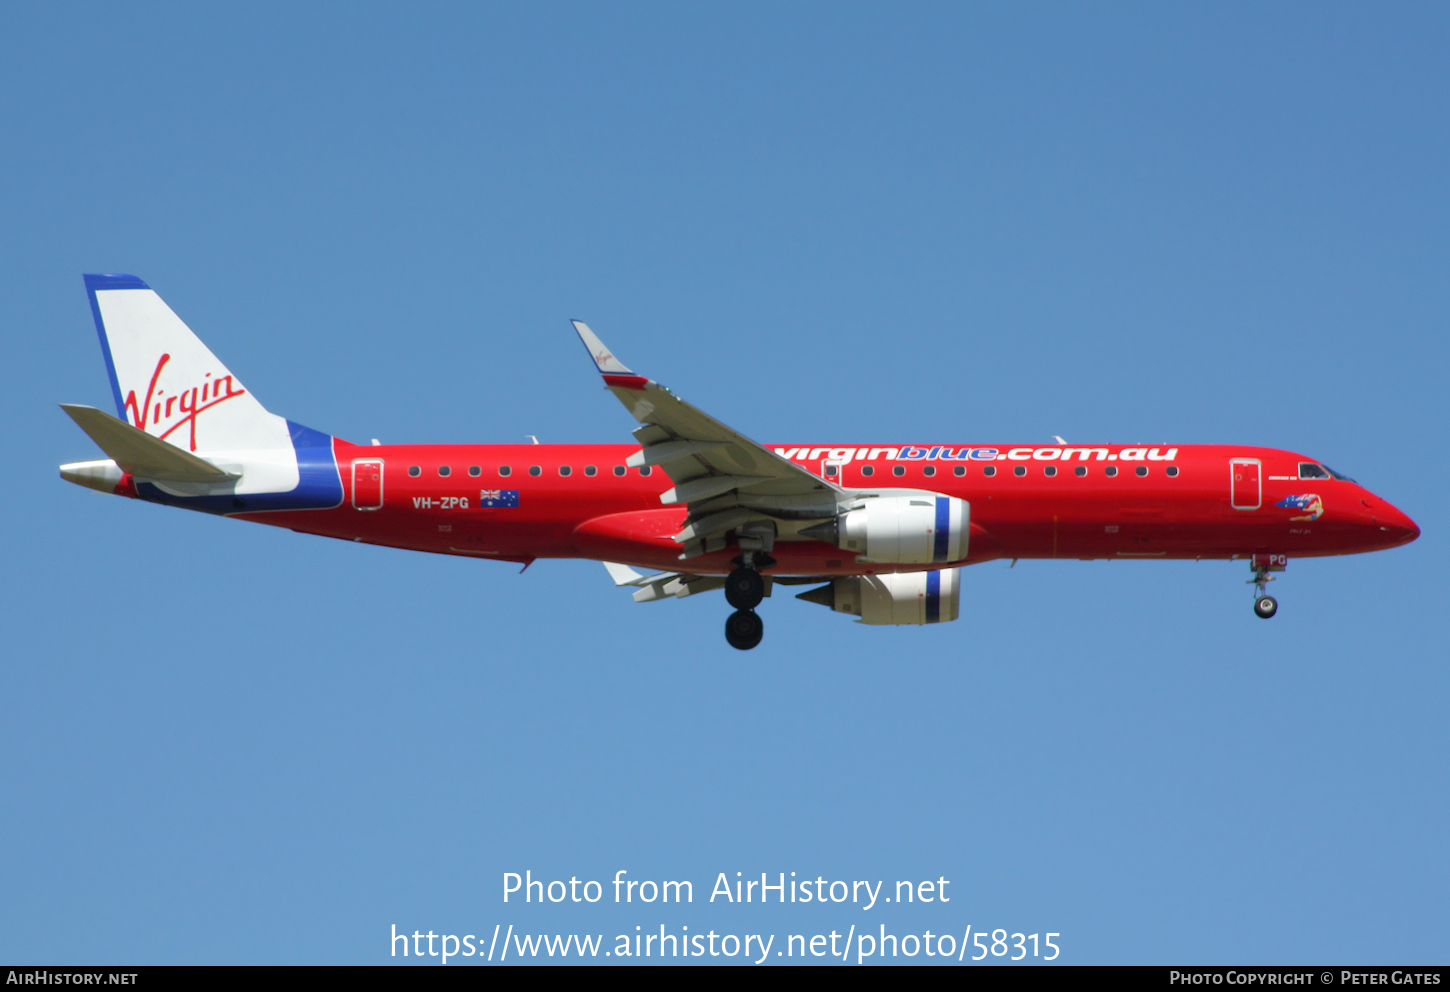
pixel 168 384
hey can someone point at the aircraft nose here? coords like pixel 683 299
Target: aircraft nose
pixel 1395 527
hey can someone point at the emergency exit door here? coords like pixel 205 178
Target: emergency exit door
pixel 1246 490
pixel 367 483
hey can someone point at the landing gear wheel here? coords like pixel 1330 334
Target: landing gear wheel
pixel 1266 606
pixel 744 589
pixel 744 629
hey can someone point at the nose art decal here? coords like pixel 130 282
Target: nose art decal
pixel 1309 501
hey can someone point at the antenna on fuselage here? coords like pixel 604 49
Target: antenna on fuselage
pixel 1058 439
pixel 532 438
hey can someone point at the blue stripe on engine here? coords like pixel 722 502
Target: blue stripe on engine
pixel 933 597
pixel 943 528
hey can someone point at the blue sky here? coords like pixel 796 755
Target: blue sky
pixel 819 222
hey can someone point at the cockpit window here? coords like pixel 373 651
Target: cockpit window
pixel 1339 475
pixel 1308 470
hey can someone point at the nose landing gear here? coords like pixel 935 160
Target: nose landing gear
pixel 1265 605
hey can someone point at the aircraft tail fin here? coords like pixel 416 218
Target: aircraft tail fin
pixel 189 432
pixel 168 384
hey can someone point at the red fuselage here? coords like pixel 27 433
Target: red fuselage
pixel 1223 501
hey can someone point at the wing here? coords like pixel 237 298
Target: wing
pixel 727 480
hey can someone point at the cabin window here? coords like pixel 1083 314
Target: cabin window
pixel 959 470
pixel 646 470
pixel 1172 471
pixel 445 470
pixel 1019 470
pixel 590 470
pixel 505 470
pixel 1141 471
pixel 535 470
pixel 565 470
pixel 831 470
pixel 414 470
pixel 1050 471
pixel 898 470
pixel 474 470
pixel 929 470
pixel 1080 471
pixel 1110 471
pixel 1308 470
pixel 989 471
pixel 619 470
pixel 868 470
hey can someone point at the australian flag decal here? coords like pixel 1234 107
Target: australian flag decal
pixel 498 498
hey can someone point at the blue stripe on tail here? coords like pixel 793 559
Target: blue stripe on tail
pixel 319 484
pixel 94 283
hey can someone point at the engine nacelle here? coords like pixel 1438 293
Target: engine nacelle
pixel 898 598
pixel 913 529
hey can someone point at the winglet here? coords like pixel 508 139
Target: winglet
pixel 604 359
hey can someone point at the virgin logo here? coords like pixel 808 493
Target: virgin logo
pixel 180 408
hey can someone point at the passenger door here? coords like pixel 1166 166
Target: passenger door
pixel 1245 486
pixel 367 483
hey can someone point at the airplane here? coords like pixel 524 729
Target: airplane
pixel 881 531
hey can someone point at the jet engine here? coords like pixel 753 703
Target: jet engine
pixel 916 529
pixel 898 598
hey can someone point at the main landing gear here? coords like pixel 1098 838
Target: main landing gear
pixel 744 589
pixel 744 629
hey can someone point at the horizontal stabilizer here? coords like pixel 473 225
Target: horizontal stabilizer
pixel 142 455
